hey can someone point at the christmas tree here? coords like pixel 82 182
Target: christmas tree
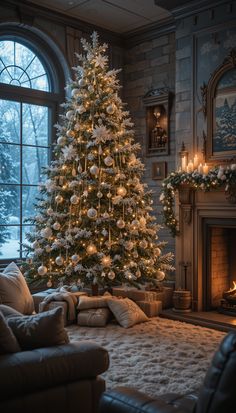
pixel 94 222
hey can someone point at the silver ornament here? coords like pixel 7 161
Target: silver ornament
pixel 59 261
pixel 42 270
pixel 108 160
pixel 70 133
pixel 90 88
pixel 70 114
pixel 75 258
pixel 75 93
pixel 56 226
pixel 82 82
pixel 49 211
pixel 99 194
pixel 80 169
pixel 74 199
pixel 35 245
pixel 110 109
pixel 120 223
pixel 94 170
pixel 61 140
pixel 92 213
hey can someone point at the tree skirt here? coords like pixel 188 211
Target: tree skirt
pixel 156 357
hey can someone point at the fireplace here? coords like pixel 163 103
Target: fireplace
pixel 207 240
pixel 219 261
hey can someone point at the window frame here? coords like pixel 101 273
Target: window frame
pixel 51 99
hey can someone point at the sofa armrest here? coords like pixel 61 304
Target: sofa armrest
pixel 127 400
pixel 30 371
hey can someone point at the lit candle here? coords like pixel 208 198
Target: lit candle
pixel 190 166
pixel 195 161
pixel 184 163
pixel 200 168
pixel 205 169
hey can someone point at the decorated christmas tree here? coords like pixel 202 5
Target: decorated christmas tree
pixel 94 221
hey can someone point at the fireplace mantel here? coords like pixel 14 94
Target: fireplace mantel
pixel 193 207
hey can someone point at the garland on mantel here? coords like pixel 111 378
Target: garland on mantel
pixel 217 177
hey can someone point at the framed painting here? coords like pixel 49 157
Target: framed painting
pixel 159 170
pixel 220 112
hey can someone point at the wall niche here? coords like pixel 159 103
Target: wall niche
pixel 157 121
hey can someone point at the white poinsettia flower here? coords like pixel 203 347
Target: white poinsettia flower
pixel 100 61
pixel 69 152
pixel 100 133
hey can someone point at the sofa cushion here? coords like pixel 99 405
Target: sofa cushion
pixel 8 342
pixel 9 311
pixel 31 371
pixel 94 317
pixel 14 290
pixel 39 330
pixel 126 312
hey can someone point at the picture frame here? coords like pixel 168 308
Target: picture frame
pixel 219 105
pixel 158 170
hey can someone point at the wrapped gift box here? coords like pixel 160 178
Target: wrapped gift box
pixel 164 294
pixel 151 309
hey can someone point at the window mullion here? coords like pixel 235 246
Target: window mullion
pixel 21 176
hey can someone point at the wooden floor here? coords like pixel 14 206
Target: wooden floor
pixel 210 319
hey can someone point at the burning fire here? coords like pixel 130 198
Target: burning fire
pixel 231 290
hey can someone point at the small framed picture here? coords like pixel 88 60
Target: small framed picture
pixel 158 170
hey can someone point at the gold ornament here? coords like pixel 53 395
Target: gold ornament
pixel 94 170
pixel 108 160
pixel 110 109
pixel 106 261
pixel 143 244
pixel 160 275
pixel 120 223
pixel 91 249
pixel 111 275
pixel 121 190
pixel 129 245
pixel 74 199
pixel 59 199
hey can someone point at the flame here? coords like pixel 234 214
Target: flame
pixel 232 289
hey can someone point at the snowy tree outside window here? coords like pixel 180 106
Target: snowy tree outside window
pixel 24 140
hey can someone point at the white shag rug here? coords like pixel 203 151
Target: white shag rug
pixel 156 357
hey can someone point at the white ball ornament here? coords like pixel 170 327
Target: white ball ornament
pixel 82 82
pixel 49 211
pixel 61 140
pixel 94 170
pixel 46 232
pixel 120 223
pixel 70 114
pixel 91 89
pixel 74 199
pixel 42 270
pixel 92 213
pixel 59 199
pixel 59 261
pixel 108 160
pixel 111 275
pixel 121 190
pixel 99 194
pixel 75 92
pixel 56 226
pixel 110 109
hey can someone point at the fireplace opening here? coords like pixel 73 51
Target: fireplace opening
pixel 220 266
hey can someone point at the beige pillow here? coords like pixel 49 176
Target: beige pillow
pixel 14 291
pixel 92 302
pixel 94 317
pixel 8 342
pixel 39 330
pixel 126 312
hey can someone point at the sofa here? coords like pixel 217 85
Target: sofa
pixel 217 394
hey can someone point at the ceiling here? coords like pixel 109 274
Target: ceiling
pixel 119 16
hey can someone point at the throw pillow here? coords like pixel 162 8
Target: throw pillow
pixel 94 317
pixel 9 311
pixel 8 342
pixel 40 330
pixel 126 312
pixel 92 302
pixel 14 290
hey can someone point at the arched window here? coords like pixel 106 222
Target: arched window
pixel 28 105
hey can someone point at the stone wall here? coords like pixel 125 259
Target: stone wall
pixel 147 66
